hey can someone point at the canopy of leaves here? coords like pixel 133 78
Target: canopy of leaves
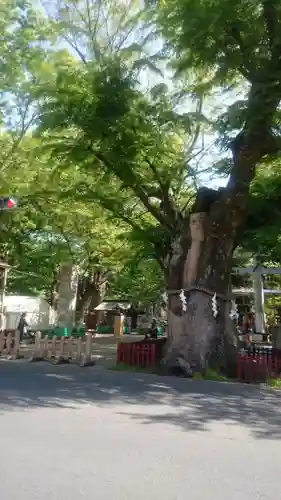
pixel 103 152
pixel 223 38
pixel 47 230
pixel 262 235
pixel 116 134
pixel 141 281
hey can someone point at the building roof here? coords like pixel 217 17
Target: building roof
pixel 113 305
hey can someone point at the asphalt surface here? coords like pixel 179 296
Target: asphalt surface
pixel 70 433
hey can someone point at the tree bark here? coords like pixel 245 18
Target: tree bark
pixel 91 292
pixel 200 260
pixel 200 264
pixel 82 306
pixel 67 295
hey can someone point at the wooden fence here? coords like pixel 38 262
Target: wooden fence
pixel 63 349
pixel 10 344
pixel 56 350
pixel 257 367
pixel 254 367
pixel 136 354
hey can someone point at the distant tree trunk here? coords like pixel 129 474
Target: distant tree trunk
pixel 67 295
pixel 91 291
pixel 52 294
pixel 82 305
pixel 96 299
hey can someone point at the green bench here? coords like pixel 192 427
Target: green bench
pixel 62 332
pixel 110 329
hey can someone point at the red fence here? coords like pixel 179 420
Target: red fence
pixel 135 354
pixel 253 368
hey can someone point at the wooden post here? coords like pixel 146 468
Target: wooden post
pixel 259 300
pixel 69 347
pixel 2 341
pixel 87 355
pixel 44 347
pixel 79 349
pixel 9 343
pixel 118 325
pixel 54 347
pixel 37 348
pixel 16 354
pixel 60 357
pixel 4 268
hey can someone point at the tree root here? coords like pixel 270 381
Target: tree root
pixel 177 367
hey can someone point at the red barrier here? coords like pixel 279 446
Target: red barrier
pixel 135 354
pixel 253 368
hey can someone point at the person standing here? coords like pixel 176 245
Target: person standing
pixel 22 326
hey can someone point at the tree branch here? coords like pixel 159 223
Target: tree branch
pixel 191 147
pixel 107 205
pixel 59 227
pixel 245 68
pixel 269 12
pixel 156 174
pixel 271 18
pixel 136 187
pixel 24 126
pixel 167 204
pixel 77 50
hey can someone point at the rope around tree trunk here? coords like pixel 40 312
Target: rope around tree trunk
pixel 207 291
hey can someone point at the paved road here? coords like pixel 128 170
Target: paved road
pixel 68 433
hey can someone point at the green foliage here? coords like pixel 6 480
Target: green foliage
pixel 21 48
pixel 275 383
pixel 97 28
pixel 141 280
pixel 262 236
pixel 213 375
pixel 103 169
pixel 48 229
pixel 223 39
pixel 114 133
pixel 58 217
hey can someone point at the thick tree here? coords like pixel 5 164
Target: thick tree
pixel 228 42
pixel 101 121
pixel 138 143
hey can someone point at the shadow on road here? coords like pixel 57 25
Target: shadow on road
pixel 191 405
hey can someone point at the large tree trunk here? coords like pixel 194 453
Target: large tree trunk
pixel 200 261
pixel 200 265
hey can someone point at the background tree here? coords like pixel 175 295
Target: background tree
pixel 45 231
